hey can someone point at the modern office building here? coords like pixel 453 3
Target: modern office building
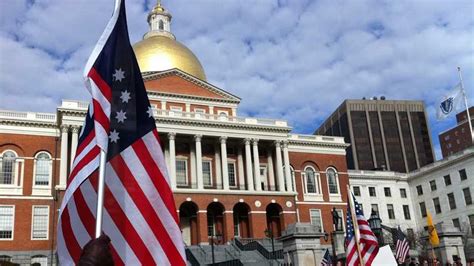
pixel 458 137
pixel 384 134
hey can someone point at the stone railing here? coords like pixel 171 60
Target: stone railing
pixel 27 116
pixel 219 118
pixel 316 138
pixel 71 104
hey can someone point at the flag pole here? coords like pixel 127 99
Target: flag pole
pixel 467 106
pixel 356 225
pixel 100 194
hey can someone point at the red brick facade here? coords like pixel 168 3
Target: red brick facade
pixel 250 212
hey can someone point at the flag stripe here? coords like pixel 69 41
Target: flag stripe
pixel 139 215
pixel 159 182
pixel 118 241
pixel 69 237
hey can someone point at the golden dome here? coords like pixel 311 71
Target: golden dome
pixel 159 52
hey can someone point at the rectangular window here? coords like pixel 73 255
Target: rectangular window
pixel 391 211
pixel 467 196
pixel 419 190
pixel 40 222
pixel 406 212
pixel 436 205
pixel 452 201
pixel 447 180
pixel 433 185
pixel 181 173
pixel 375 208
pixel 456 223
pixel 423 209
pixel 6 222
pixel 403 193
pixel 231 171
pixel 387 191
pixel 471 222
pixel 356 190
pixel 315 218
pixel 462 174
pixel 207 173
pixel 176 111
pixel 372 192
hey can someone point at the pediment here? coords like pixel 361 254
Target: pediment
pixel 177 82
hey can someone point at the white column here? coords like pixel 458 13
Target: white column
pixel 271 174
pixel 192 154
pixel 63 164
pixel 172 170
pixel 225 170
pixel 248 165
pixel 286 160
pixel 75 134
pixel 240 167
pixel 256 165
pixel 279 167
pixel 163 105
pixel 217 158
pixel 200 181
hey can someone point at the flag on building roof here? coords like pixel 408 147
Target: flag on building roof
pixel 434 240
pixel 401 247
pixel 139 212
pixel 450 103
pixel 359 236
pixel 327 260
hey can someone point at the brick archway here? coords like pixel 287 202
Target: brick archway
pixel 241 220
pixel 274 219
pixel 188 222
pixel 215 222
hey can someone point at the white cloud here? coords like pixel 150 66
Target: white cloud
pixel 296 60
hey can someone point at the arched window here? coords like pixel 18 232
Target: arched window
pixel 311 180
pixel 331 174
pixel 43 169
pixel 7 162
pixel 161 25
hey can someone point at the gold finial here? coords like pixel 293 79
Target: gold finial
pixel 158 2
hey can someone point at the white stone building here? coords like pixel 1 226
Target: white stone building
pixel 445 189
pixel 386 192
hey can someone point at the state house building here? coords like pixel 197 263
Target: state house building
pixel 231 175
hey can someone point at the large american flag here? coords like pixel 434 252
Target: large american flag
pixel 368 244
pixel 402 247
pixel 139 210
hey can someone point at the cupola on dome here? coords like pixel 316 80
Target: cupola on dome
pixel 159 49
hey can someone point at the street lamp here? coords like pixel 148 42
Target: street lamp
pixel 217 236
pixel 269 233
pixel 375 224
pixel 326 237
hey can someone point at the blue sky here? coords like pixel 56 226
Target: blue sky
pixel 296 60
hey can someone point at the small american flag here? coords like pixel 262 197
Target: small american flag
pixel 326 261
pixel 139 212
pixel 368 244
pixel 402 247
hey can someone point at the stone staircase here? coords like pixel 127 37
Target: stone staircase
pixel 248 252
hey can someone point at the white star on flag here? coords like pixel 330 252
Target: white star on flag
pixel 125 96
pixel 121 116
pixel 114 136
pixel 150 111
pixel 119 74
